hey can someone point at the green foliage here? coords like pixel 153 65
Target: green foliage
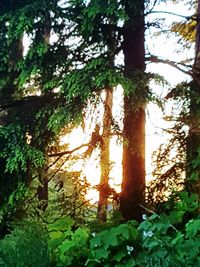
pixel 155 242
pixel 164 245
pixel 188 202
pixel 137 87
pixel 93 14
pixel 164 240
pixel 68 247
pixel 70 115
pixel 96 75
pixel 16 158
pixel 17 195
pixel 113 247
pixel 16 151
pixel 67 73
pixel 26 245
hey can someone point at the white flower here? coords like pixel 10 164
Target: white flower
pixel 129 249
pixel 144 217
pixel 147 233
pixel 93 234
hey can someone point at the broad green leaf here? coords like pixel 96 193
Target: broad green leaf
pixel 192 228
pixel 62 224
pixel 120 255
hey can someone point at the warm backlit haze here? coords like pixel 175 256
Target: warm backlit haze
pixel 100 133
pixel 90 167
pixel 157 45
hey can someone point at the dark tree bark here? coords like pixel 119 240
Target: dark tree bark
pixel 193 140
pixel 43 188
pixel 133 181
pixel 105 156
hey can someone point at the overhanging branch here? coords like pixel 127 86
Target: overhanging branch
pixel 68 152
pixel 178 65
pixel 29 100
pixel 171 13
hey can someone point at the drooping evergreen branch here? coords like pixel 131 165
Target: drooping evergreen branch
pixel 27 100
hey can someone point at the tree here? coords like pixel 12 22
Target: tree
pixel 24 140
pixel 193 139
pixel 133 183
pixel 54 65
pixel 55 79
pixel 189 32
pixel 105 156
pixel 132 46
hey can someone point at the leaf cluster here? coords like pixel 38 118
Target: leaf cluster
pixel 26 245
pixel 68 247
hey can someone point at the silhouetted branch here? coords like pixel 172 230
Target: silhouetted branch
pixel 62 153
pixel 27 100
pixel 155 59
pixel 172 13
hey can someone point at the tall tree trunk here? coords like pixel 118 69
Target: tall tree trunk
pixel 43 189
pixel 105 156
pixel 133 180
pixel 193 140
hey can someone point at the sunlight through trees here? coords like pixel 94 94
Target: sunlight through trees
pixel 83 86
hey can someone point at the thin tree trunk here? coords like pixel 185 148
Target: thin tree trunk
pixel 133 180
pixel 105 156
pixel 43 189
pixel 193 140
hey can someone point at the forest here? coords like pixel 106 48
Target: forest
pixel 99 133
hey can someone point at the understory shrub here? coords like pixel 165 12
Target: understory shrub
pixel 165 240
pixel 154 243
pixel 170 239
pixel 68 246
pixel 25 246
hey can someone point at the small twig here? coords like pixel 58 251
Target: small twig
pixel 53 175
pixel 171 13
pixel 39 215
pixel 153 212
pixel 155 59
pixel 53 163
pixel 60 154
